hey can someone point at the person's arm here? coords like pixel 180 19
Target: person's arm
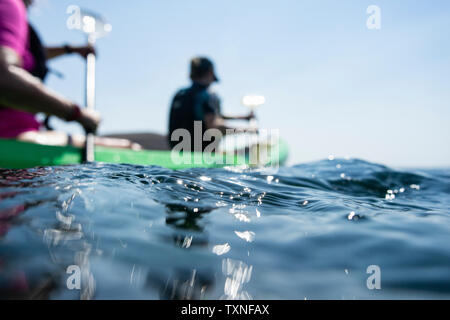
pixel 213 121
pixel 54 52
pixel 20 90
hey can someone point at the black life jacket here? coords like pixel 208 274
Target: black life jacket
pixel 37 50
pixel 40 69
pixel 190 105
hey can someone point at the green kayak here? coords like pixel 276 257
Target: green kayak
pixel 18 155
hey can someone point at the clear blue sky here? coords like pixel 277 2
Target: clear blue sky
pixel 332 86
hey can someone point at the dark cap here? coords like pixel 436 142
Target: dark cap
pixel 200 66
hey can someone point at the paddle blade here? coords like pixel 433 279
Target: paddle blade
pixel 253 101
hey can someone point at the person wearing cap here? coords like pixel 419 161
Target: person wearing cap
pixel 22 92
pixel 198 103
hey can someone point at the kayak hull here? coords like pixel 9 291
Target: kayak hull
pixel 19 155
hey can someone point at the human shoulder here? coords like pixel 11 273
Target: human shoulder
pixel 11 10
pixel 13 24
pixel 183 91
pixel 213 95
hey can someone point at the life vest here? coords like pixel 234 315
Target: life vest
pixel 37 50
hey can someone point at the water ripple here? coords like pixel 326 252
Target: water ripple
pixel 141 232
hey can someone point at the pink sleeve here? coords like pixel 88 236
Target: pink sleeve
pixel 13 26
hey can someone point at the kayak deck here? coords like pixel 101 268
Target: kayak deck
pixel 18 155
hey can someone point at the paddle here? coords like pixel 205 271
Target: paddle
pixel 252 102
pixel 89 155
pixel 94 27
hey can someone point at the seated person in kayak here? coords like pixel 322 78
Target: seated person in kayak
pixel 197 104
pixel 23 94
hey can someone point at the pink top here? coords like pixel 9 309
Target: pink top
pixel 14 35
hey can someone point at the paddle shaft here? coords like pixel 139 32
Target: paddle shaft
pixel 90 100
pixel 253 122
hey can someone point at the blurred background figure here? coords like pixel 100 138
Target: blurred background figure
pixel 197 103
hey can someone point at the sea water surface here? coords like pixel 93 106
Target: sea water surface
pixel 310 231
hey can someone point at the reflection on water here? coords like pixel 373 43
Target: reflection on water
pixel 238 273
pixel 67 238
pixel 14 281
pixel 151 233
pixel 183 284
pixel 193 284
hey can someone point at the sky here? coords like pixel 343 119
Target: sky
pixel 332 86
